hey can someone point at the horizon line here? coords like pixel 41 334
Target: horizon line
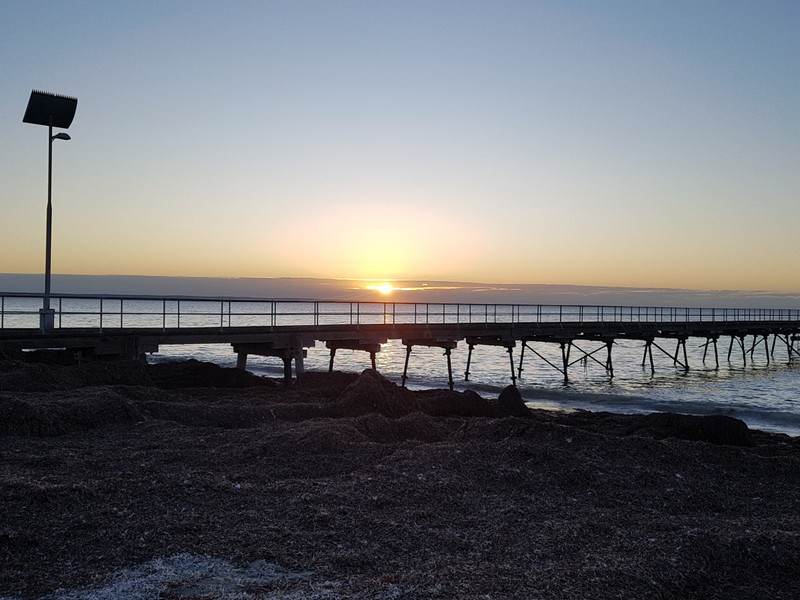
pixel 489 286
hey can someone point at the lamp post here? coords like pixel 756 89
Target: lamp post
pixel 47 314
pixel 52 110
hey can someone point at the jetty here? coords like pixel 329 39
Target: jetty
pixel 116 326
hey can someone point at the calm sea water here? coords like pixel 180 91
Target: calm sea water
pixel 764 395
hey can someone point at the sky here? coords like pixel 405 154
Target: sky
pixel 614 143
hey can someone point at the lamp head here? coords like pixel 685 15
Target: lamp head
pixel 61 136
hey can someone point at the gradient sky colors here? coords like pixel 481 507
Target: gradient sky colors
pixel 593 143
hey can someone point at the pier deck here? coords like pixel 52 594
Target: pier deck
pixel 130 326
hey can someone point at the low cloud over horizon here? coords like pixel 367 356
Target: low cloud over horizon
pixel 395 291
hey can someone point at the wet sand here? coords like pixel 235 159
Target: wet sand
pixel 191 481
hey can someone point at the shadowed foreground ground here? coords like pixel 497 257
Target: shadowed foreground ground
pixel 191 481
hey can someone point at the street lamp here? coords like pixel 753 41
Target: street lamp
pixel 52 110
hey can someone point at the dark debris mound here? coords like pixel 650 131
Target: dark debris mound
pixel 23 376
pixel 63 412
pixel 510 403
pixel 373 393
pixel 446 403
pixel 326 384
pixel 194 374
pixel 715 429
pixel 40 399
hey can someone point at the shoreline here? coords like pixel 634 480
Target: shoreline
pixel 762 395
pixel 195 481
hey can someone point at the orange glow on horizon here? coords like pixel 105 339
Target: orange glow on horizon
pixel 385 288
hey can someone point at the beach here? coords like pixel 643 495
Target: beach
pixel 187 480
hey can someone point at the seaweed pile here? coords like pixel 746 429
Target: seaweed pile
pixel 187 480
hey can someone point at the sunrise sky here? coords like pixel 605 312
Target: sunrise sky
pixel 604 143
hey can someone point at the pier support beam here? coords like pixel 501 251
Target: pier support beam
pixel 711 340
pixel 585 356
pixel 510 350
pixel 506 343
pixel 565 346
pixel 447 345
pixel 372 346
pixel 449 368
pixel 299 355
pixel 287 369
pixel 293 348
pixel 285 354
pixel 740 339
pixel 469 361
pixel 681 344
pixel 790 341
pixel 648 352
pixel 758 339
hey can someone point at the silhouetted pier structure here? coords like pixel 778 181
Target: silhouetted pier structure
pixel 131 326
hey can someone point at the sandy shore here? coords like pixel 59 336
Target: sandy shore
pixel 191 481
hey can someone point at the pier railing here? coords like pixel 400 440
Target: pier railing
pixel 21 311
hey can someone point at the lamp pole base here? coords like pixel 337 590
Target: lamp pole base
pixel 47 319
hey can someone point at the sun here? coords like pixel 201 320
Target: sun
pixel 383 288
